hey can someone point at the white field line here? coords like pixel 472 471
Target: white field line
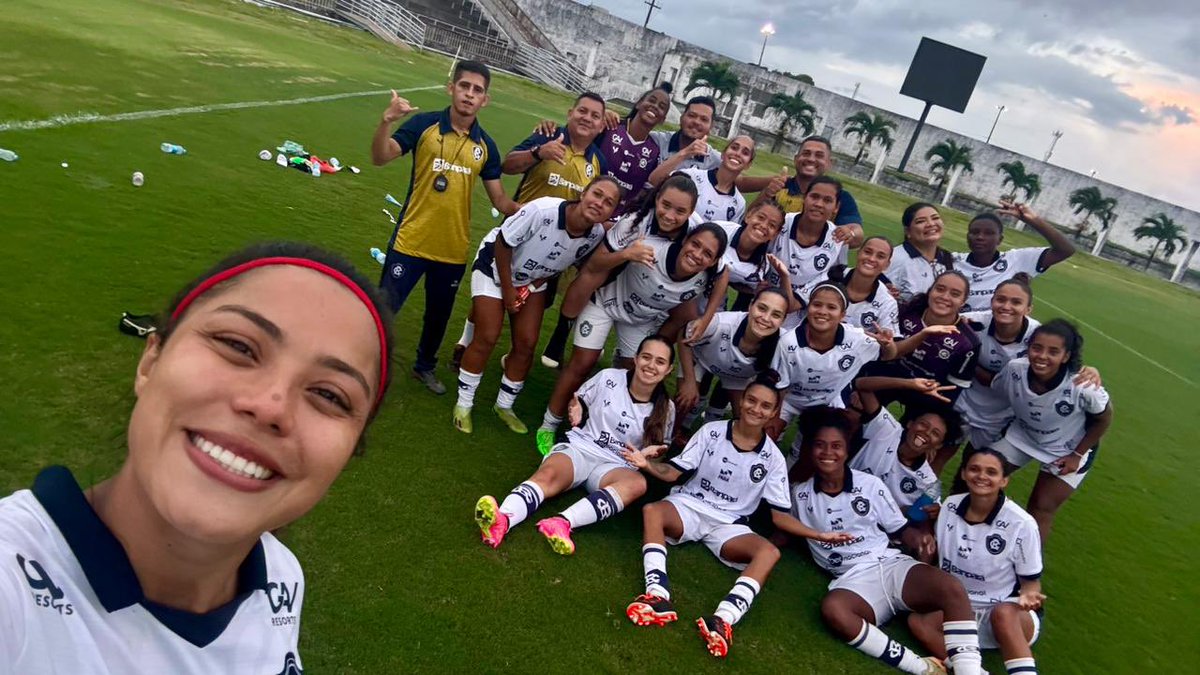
pixel 90 118
pixel 1119 343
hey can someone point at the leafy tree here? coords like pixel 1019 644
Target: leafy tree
pixel 1016 176
pixel 794 110
pixel 948 156
pixel 1164 231
pixel 869 129
pixel 717 76
pixel 1090 202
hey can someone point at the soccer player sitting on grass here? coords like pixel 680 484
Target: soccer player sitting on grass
pixel 250 400
pixel 615 409
pixel 449 148
pixel 732 466
pixel 873 582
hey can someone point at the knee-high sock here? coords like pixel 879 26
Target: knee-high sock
pixel 962 646
pixel 876 644
pixel 522 502
pixel 595 507
pixel 654 563
pixel 508 393
pixel 1021 666
pixel 737 603
pixel 467 384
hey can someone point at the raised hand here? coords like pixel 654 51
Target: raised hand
pixel 938 330
pixel 553 150
pixel 1016 209
pixel 777 182
pixel 931 388
pixel 611 120
pixel 695 330
pixel 398 108
pixel 640 251
pixel 1087 377
pixel 698 147
pixel 546 128
pixel 883 335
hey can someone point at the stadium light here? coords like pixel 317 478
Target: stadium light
pixel 767 31
pixel 999 110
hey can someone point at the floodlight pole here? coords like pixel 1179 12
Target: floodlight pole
pixel 912 142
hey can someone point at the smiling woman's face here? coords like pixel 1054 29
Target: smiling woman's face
pixel 253 406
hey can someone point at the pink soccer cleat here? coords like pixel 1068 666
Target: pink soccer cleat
pixel 493 524
pixel 558 532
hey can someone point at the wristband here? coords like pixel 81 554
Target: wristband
pixel 534 152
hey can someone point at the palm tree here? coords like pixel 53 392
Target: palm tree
pixel 717 76
pixel 948 156
pixel 1090 202
pixel 869 129
pixel 795 110
pixel 1016 176
pixel 1163 230
pixel 1107 216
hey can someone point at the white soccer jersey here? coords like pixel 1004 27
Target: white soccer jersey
pixel 542 247
pixel 879 457
pixel 70 601
pixel 669 144
pixel 629 228
pixel 805 263
pixel 1047 426
pixel 911 273
pixel 1004 266
pixel 879 309
pixel 728 482
pixel 645 294
pixel 864 508
pixel 717 351
pixel 983 407
pixel 711 203
pixel 822 378
pixel 744 273
pixel 989 558
pixel 613 417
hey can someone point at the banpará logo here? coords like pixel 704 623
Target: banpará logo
pixel 835 559
pixel 758 472
pixel 995 544
pixel 861 506
pixel 1064 408
pixel 440 166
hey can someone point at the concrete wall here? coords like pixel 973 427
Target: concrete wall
pixel 626 59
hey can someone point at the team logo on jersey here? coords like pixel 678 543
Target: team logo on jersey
pixel 291 666
pixel 281 597
pixel 477 153
pixel 908 485
pixel 1001 265
pixel 869 319
pixel 39 581
pixel 1064 408
pixel 820 262
pixel 861 506
pixel 730 213
pixel 642 163
pixel 845 362
pixel 645 152
pixel 758 472
pixel 589 171
pixel 835 559
pixel 397 270
pixel 995 544
pixel 944 354
pixel 687 295
pixel 585 328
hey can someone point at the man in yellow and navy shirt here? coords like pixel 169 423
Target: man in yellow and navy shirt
pixel 562 164
pixel 432 236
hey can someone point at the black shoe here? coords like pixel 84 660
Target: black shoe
pixel 137 325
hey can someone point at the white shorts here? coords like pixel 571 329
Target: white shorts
pixel 594 324
pixel 880 583
pixel 485 285
pixel 987 639
pixel 589 467
pixel 982 436
pixel 699 526
pixel 1019 458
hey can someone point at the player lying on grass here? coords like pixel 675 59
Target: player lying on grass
pixel 871 581
pixel 616 408
pixel 1058 421
pixel 921 258
pixel 733 466
pixel 987 266
pixel 992 547
pixel 636 301
pixel 250 400
pixel 532 247
pixel 871 304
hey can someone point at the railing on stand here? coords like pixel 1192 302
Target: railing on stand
pixel 386 20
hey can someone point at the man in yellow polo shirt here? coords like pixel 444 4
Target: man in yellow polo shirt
pixel 449 149
pixel 561 165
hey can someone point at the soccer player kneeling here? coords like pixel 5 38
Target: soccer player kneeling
pixel 872 582
pixel 733 466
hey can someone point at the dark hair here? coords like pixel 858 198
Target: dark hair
pixel 654 429
pixel 676 181
pixel 716 231
pixel 764 204
pixel 769 344
pixel 753 145
pixel 1021 281
pixel 285 249
pixel 1005 468
pixel 836 286
pixel 591 96
pixel 1071 337
pixel 812 421
pixel 701 100
pixel 816 139
pixel 607 178
pixel 664 87
pixel 910 212
pixel 826 180
pixel 769 379
pixel 988 215
pixel 476 67
pixel 920 301
pixel 950 418
pixel 878 237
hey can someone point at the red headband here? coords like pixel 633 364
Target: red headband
pixel 225 275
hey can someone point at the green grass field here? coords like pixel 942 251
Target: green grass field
pixel 397 578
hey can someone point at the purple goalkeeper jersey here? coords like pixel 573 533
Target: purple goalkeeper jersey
pixel 949 359
pixel 629 161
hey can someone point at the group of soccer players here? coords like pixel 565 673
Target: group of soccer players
pixel 250 406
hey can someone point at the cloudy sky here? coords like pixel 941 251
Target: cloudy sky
pixel 1120 79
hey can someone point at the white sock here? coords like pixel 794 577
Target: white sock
pixel 593 508
pixel 654 563
pixel 876 644
pixel 1023 666
pixel 522 502
pixel 467 384
pixel 735 605
pixel 468 333
pixel 550 421
pixel 508 393
pixel 962 646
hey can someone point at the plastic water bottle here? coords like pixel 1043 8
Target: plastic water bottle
pixel 172 149
pixel 378 255
pixel 8 155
